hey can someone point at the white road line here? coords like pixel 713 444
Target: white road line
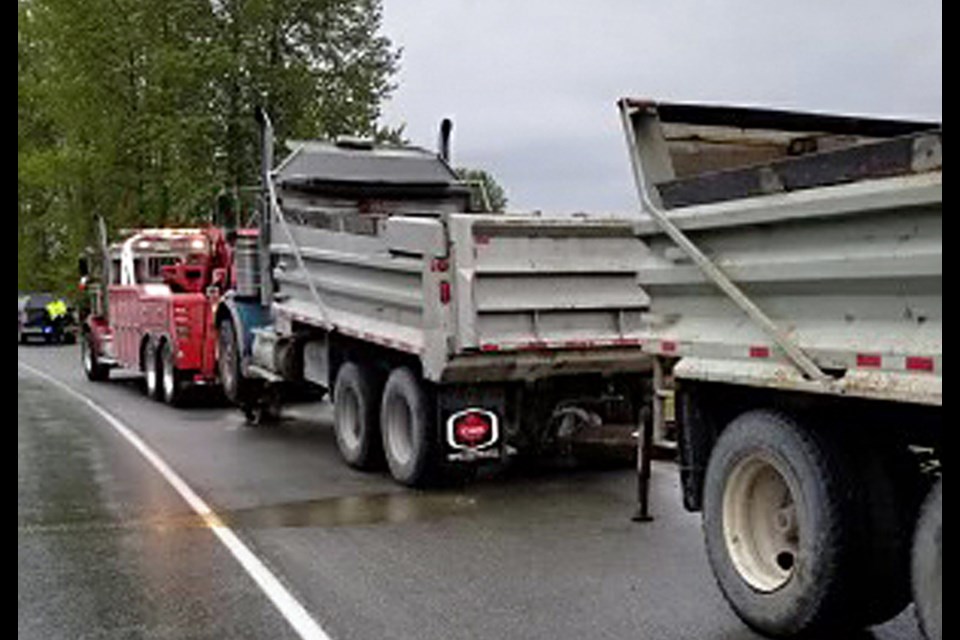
pixel 288 606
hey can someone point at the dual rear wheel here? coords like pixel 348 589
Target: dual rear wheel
pixel 162 380
pixel 390 422
pixel 807 533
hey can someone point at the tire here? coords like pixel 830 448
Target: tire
pixel 171 379
pixel 888 491
pixel 408 428
pixel 92 368
pixel 777 526
pixel 151 371
pixel 356 403
pixel 235 387
pixel 927 576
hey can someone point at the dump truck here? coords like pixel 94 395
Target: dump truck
pixel 446 338
pixel 154 296
pixel 794 268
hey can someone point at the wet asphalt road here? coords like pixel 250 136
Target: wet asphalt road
pixel 107 549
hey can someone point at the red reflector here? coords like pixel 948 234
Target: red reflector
pixel 472 428
pixel 759 352
pixel 919 364
pixel 445 293
pixel 668 347
pixel 869 360
pixel 489 347
pixel 439 265
pixel 535 346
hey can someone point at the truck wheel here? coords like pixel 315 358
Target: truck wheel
pixel 235 386
pixel 928 565
pixel 151 370
pixel 408 429
pixel 888 490
pixel 776 525
pixel 357 416
pixel 92 368
pixel 172 386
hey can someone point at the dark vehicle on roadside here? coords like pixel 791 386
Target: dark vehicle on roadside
pixel 45 317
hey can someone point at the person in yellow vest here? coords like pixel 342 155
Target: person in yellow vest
pixel 57 309
pixel 62 326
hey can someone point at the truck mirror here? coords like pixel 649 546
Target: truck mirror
pixel 218 282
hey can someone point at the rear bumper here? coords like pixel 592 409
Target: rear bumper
pixel 47 330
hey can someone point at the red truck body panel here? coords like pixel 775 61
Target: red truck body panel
pixel 184 274
pixel 185 319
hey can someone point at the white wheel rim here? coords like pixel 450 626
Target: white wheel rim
pixel 760 524
pixel 399 429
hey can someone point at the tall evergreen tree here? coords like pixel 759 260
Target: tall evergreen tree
pixel 141 110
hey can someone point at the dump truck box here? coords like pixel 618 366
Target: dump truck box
pixel 377 244
pixel 832 227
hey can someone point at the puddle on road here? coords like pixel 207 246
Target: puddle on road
pixel 389 508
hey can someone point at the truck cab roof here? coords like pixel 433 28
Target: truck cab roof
pixel 351 170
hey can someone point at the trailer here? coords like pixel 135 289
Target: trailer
pixel 794 267
pixel 155 296
pixel 447 338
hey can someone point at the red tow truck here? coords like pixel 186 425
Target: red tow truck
pixel 152 308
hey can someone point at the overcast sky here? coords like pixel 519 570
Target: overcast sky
pixel 532 84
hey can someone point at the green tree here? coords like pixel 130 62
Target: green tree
pixel 142 110
pixel 487 194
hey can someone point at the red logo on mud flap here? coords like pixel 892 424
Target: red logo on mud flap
pixel 472 429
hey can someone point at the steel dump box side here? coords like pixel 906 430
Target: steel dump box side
pixel 389 255
pixel 538 295
pixel 832 227
pixel 853 275
pixel 450 288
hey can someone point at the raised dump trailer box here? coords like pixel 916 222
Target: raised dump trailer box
pixel 794 264
pixel 446 336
